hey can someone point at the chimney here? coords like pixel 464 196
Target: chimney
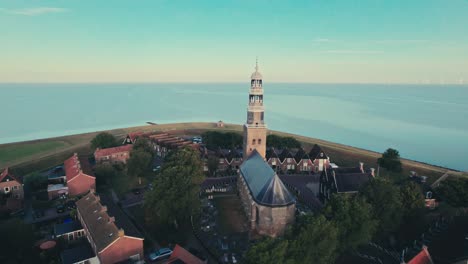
pixel 361 166
pixel 372 172
pixel 121 232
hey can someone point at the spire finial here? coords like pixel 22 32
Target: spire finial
pixel 256 64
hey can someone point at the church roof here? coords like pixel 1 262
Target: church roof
pixel 264 184
pixel 256 76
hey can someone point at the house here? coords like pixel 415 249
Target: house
pixel 288 163
pixel 80 177
pixel 320 160
pixel 131 138
pixel 11 191
pixel 57 190
pixel 181 255
pixel 272 158
pixel 343 180
pixel 69 231
pixel 113 155
pixel 303 162
pixel 423 257
pixel 112 238
pixel 220 124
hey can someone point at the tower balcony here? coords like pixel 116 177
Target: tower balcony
pixel 256 108
pixel 256 91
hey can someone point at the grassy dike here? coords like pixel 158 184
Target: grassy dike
pixel 29 156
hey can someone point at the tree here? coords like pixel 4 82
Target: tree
pixel 454 192
pixel 412 198
pixel 267 251
pixel 390 160
pixel 104 173
pixel 143 144
pixel 36 182
pixel 176 189
pixel 354 219
pixel 103 140
pixel 16 245
pixel 386 204
pixel 215 140
pixel 139 163
pixel 212 164
pixel 316 242
pixel 279 142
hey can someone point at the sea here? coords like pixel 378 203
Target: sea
pixel 428 123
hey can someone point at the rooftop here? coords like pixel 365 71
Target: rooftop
pixel 77 254
pixel 181 255
pixel 264 184
pixel 64 228
pixel 74 165
pixel 114 150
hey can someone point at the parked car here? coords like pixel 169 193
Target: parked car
pixel 60 208
pixel 162 253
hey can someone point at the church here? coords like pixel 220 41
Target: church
pixel 268 204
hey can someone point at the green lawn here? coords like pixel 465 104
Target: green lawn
pixel 20 151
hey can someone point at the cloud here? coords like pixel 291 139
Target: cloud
pixel 354 51
pixel 35 11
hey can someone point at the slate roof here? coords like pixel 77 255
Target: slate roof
pixel 264 184
pixel 300 155
pixel 77 254
pixel 64 228
pixel 285 154
pixel 74 165
pixel 271 153
pixel 315 153
pixel 347 179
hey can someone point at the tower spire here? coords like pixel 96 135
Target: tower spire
pixel 256 64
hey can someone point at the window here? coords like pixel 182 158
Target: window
pixel 253 141
pixel 16 187
pixel 6 189
pixel 259 141
pixel 289 159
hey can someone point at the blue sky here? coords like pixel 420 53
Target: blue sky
pixel 368 41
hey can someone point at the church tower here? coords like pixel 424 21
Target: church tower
pixel 255 128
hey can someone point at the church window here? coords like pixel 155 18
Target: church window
pixel 261 116
pixel 260 82
pixel 253 141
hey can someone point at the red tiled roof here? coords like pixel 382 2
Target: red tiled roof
pixel 110 151
pixel 422 257
pixel 180 253
pixel 7 172
pixel 74 165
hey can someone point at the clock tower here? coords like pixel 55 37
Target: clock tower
pixel 255 128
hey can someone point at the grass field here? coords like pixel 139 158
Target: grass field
pixel 12 152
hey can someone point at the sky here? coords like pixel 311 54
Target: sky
pixel 330 41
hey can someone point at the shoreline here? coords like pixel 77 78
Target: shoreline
pixel 344 154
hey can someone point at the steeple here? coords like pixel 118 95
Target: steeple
pixel 255 128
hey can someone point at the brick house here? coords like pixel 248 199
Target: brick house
pixel 11 190
pixel 106 234
pixel 320 160
pixel 181 255
pixel 272 158
pixel 423 257
pixel 288 163
pixel 80 177
pixel 114 155
pixel 303 162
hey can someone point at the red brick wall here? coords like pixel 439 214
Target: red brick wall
pixel 81 184
pixel 121 250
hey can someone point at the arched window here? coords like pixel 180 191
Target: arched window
pixel 259 141
pixel 253 141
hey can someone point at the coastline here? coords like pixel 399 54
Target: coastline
pixel 60 147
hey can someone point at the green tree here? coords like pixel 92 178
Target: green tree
pixel 268 251
pixel 104 173
pixel 412 198
pixel 386 204
pixel 212 163
pixel 139 163
pixel 279 142
pixel 454 192
pixel 390 160
pixel 354 219
pixel 36 182
pixel 316 242
pixel 16 245
pixel 176 189
pixel 143 144
pixel 215 140
pixel 103 140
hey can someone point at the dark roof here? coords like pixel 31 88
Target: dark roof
pixel 121 220
pixel 264 184
pixel 60 229
pixel 315 153
pixel 347 170
pixel 77 254
pixel 301 154
pixel 285 154
pixel 351 182
pixel 271 153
